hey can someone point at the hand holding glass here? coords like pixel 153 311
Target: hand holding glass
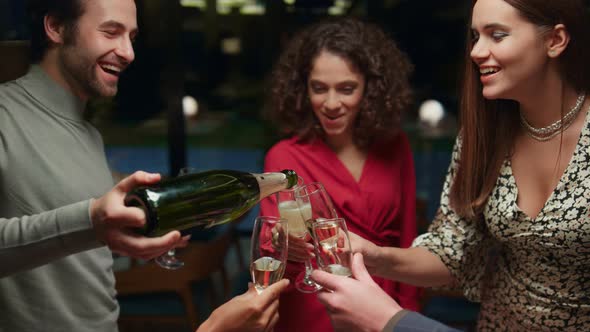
pixel 332 243
pixel 268 254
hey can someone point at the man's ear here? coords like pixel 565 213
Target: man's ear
pixel 54 29
pixel 557 40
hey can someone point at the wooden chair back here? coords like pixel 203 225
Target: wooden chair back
pixel 202 260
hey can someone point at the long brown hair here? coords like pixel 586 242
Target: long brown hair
pixel 488 127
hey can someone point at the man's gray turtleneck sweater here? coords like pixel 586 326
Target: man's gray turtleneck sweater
pixel 54 274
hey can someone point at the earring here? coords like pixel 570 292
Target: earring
pixel 552 53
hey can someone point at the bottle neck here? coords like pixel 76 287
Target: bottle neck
pixel 270 183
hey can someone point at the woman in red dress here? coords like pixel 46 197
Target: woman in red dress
pixel 338 92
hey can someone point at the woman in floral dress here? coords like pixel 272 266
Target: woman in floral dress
pixel 513 228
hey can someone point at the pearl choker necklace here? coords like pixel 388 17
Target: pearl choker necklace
pixel 546 133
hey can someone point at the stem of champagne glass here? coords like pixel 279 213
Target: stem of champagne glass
pixel 169 260
pixel 308 270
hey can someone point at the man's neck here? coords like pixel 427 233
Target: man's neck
pixel 51 67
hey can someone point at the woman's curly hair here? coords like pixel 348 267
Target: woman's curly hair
pixel 366 47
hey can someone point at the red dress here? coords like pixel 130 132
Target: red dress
pixel 380 207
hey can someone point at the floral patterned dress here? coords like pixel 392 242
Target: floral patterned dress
pixel 528 274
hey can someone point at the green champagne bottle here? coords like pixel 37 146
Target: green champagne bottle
pixel 204 199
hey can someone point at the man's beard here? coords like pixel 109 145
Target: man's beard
pixel 80 69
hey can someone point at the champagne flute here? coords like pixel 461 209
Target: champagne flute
pixel 169 260
pixel 268 254
pixel 331 239
pixel 314 205
pixel 296 216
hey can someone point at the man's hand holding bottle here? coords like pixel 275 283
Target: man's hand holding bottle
pixel 115 222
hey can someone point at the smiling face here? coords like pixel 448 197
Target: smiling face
pixel 335 90
pixel 99 48
pixel 509 51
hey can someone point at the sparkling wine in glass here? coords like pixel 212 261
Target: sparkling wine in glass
pixel 332 243
pixel 314 205
pixel 268 254
pixel 296 216
pixel 288 209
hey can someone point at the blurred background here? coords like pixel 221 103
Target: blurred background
pixel 194 96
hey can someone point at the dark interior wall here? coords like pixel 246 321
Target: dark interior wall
pixel 430 31
pixel 13 59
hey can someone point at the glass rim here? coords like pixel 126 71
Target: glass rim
pixel 328 221
pixel 318 187
pixel 271 218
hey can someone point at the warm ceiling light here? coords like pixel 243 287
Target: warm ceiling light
pixel 202 4
pixel 190 106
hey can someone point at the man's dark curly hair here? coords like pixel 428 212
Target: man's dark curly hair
pixel 366 47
